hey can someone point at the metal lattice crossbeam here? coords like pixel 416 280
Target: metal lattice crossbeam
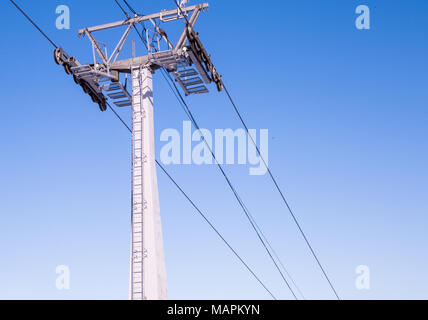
pixel 176 59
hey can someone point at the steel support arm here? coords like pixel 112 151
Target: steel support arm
pixel 138 20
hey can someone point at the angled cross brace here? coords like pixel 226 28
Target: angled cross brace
pixel 96 46
pixel 120 45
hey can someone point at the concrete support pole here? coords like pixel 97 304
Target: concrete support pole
pixel 148 274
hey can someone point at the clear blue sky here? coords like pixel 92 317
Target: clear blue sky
pixel 346 112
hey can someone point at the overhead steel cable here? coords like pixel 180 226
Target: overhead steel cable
pixel 123 10
pixel 128 16
pixel 273 179
pixel 249 217
pixel 279 259
pixel 190 115
pixel 199 211
pixel 176 184
pixel 119 117
pixel 281 193
pixel 214 229
pixel 129 7
pixel 34 24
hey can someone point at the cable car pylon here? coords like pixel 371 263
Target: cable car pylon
pixel 192 69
